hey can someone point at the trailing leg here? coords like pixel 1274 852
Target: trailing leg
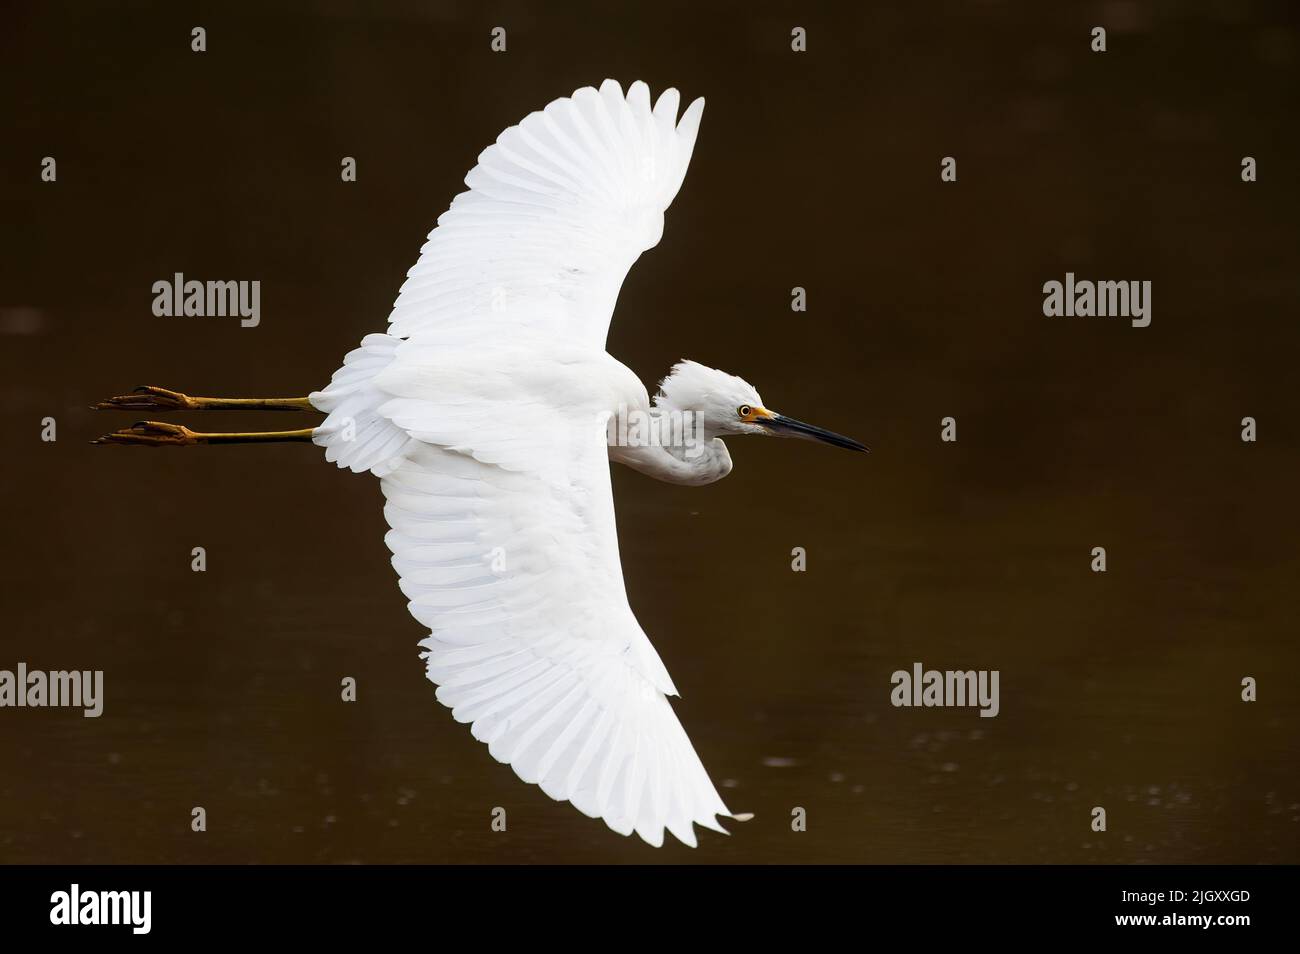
pixel 160 399
pixel 158 434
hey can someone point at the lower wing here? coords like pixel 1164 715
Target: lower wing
pixel 532 641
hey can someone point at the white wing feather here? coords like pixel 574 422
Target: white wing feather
pixel 532 640
pixel 497 484
pixel 558 209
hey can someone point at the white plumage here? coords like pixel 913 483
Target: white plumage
pixel 482 408
pixel 491 411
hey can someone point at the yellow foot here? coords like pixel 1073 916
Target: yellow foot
pixel 147 398
pixel 153 434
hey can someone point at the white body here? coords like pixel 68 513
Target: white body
pixel 483 411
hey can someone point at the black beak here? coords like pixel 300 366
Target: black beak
pixel 784 426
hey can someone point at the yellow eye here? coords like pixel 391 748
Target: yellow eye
pixel 744 410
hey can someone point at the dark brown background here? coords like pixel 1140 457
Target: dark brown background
pixel 821 170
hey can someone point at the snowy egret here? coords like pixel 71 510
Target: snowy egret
pixel 486 411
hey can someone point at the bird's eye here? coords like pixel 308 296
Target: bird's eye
pixel 744 410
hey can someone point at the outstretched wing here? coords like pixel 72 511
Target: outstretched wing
pixel 532 640
pixel 558 209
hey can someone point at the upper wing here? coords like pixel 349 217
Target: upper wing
pixel 532 639
pixel 558 209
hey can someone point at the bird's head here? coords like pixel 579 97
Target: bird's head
pixel 730 405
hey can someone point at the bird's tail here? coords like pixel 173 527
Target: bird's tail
pixel 355 434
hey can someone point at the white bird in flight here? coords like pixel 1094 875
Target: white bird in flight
pixel 484 411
